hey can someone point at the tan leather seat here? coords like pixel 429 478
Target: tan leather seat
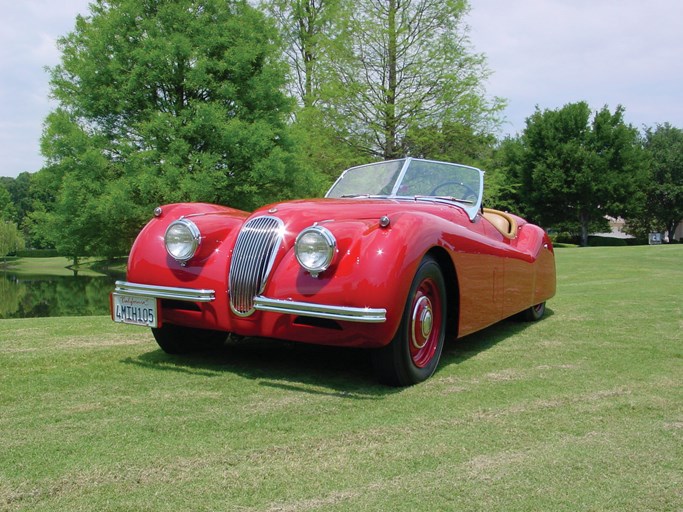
pixel 503 222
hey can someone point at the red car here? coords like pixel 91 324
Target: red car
pixel 398 256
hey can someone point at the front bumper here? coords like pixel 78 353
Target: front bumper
pixel 344 313
pixel 164 292
pixel 285 307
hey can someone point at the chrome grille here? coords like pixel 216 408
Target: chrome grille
pixel 252 260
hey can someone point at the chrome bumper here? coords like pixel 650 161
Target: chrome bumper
pixel 164 292
pixel 286 307
pixel 348 314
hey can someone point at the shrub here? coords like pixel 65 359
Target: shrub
pixel 564 237
pixel 606 241
pixel 38 253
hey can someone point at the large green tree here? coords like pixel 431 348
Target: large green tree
pixel 10 238
pixel 409 64
pixel 378 69
pixel 664 204
pixel 19 189
pixel 572 167
pixel 7 208
pixel 452 141
pixel 313 31
pixel 315 35
pixel 163 101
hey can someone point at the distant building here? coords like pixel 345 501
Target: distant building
pixel 616 229
pixel 678 232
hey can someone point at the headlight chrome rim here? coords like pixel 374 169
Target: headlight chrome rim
pixel 187 238
pixel 321 257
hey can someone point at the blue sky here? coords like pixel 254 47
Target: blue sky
pixel 541 52
pixel 606 52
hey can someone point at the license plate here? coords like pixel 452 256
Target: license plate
pixel 127 309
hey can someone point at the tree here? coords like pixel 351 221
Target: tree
pixel 664 204
pixel 377 69
pixel 311 29
pixel 19 189
pixel 503 179
pixel 10 238
pixel 572 170
pixel 315 34
pixel 408 64
pixel 453 142
pixel 161 102
pixel 7 209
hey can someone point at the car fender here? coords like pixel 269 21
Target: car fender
pixel 373 266
pixel 149 263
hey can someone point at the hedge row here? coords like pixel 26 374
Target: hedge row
pixel 596 241
pixel 37 253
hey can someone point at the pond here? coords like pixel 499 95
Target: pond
pixel 29 296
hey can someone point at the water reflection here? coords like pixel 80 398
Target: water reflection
pixel 30 296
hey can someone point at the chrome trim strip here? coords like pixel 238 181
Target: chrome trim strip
pixel 349 314
pixel 164 292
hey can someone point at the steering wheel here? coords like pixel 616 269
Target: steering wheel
pixel 469 192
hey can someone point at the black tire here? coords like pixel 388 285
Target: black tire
pixel 532 314
pixel 414 353
pixel 175 339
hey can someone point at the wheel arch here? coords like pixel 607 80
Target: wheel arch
pixel 450 275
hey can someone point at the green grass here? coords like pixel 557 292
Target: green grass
pixel 581 411
pixel 53 266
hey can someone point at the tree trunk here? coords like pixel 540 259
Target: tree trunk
pixel 307 35
pixel 390 149
pixel 671 228
pixel 583 220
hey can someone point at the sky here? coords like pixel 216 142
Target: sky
pixel 544 53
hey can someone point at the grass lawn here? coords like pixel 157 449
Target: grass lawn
pixel 581 411
pixel 53 266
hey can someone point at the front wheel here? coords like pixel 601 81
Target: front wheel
pixel 414 353
pixel 176 339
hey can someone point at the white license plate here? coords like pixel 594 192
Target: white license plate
pixel 127 309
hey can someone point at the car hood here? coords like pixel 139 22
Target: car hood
pixel 326 210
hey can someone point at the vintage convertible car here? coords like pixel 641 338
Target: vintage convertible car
pixel 397 257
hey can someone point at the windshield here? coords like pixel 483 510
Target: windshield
pixel 415 179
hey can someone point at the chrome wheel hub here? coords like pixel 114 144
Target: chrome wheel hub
pixel 422 322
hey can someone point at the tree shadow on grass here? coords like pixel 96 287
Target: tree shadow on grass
pixel 314 369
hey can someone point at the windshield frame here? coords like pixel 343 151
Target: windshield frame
pixel 402 166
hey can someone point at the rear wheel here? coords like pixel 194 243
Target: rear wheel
pixel 533 314
pixel 414 353
pixel 176 339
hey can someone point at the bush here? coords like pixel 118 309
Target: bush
pixel 564 237
pixel 38 253
pixel 606 241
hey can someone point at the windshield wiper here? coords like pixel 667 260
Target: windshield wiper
pixel 365 196
pixel 447 198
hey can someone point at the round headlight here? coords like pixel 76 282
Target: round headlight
pixel 314 249
pixel 182 239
